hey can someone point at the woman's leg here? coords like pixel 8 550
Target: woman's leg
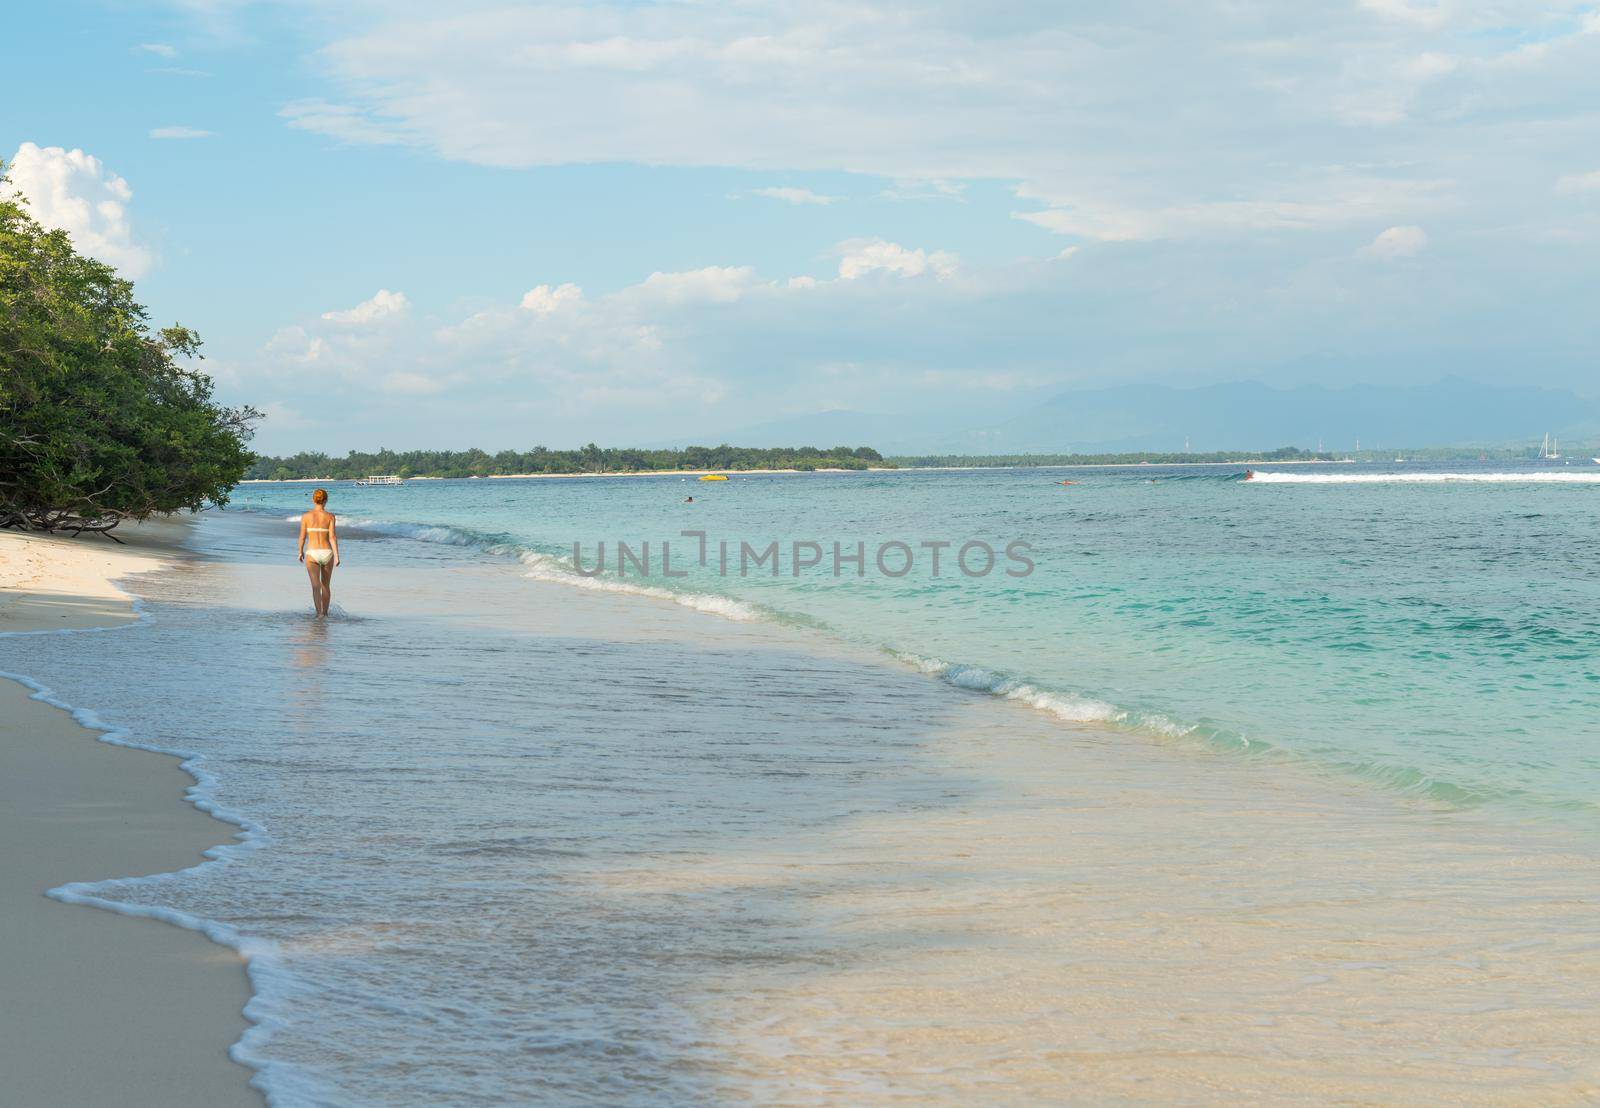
pixel 314 571
pixel 327 586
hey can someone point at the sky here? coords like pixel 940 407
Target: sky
pixel 418 225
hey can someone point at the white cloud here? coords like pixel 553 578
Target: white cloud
pixel 668 346
pixel 383 305
pixel 860 257
pixel 1348 200
pixel 927 189
pixel 1383 89
pixel 543 299
pixel 714 284
pixel 177 132
pixel 1241 151
pixel 159 49
pixel 411 384
pixel 343 122
pixel 791 195
pixel 295 344
pixel 1428 13
pixel 73 191
pixel 1284 108
pixel 1397 242
pixel 728 346
pixel 1579 182
pixel 1108 224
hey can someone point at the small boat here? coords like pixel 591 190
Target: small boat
pixel 713 477
pixel 381 479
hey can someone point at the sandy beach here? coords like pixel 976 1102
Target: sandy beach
pixel 818 878
pixel 99 1008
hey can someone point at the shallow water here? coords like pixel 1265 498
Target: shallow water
pixel 522 843
pixel 444 786
pixel 1433 629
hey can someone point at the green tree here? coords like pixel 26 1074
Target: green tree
pixel 99 420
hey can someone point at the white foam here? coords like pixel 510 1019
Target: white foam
pixel 1073 709
pixel 1067 707
pixel 1579 477
pixel 259 956
pixel 545 567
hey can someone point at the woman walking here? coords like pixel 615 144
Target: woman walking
pixel 319 549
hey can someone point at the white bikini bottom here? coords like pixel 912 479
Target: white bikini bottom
pixel 321 557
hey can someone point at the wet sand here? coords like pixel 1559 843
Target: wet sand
pixel 1115 922
pixel 99 1008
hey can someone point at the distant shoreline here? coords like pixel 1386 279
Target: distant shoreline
pixel 888 469
pixel 551 476
pixel 1139 465
pixel 819 469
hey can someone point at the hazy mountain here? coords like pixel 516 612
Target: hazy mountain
pixel 1252 415
pixel 1242 415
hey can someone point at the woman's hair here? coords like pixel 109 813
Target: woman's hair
pixel 320 497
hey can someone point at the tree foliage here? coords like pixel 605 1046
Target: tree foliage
pixel 590 459
pixel 99 420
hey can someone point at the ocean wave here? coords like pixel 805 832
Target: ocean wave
pixel 554 568
pixel 557 569
pixel 1072 708
pixel 1067 707
pixel 1581 477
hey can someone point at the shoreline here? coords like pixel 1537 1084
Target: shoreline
pixel 1073 908
pixel 100 1007
pixel 990 899
pixel 826 469
pixel 561 476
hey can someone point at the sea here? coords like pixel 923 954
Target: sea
pixel 1434 629
pixel 567 801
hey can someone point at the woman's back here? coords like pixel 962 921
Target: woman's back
pixel 318 522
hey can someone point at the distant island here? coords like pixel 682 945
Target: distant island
pixel 542 461
pixel 592 459
pixel 1001 461
pixel 1220 457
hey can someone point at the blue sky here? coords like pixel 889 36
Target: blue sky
pixel 507 224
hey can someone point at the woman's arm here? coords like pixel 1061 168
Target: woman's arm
pixel 333 537
pixel 302 543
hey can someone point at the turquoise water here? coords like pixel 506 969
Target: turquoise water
pixel 1430 629
pixel 513 842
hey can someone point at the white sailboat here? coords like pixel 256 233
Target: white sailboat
pixel 1552 448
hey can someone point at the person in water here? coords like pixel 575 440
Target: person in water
pixel 319 549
